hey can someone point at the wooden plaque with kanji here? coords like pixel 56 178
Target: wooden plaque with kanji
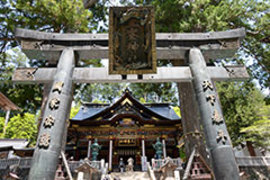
pixel 132 44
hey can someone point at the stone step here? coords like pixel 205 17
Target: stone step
pixel 130 176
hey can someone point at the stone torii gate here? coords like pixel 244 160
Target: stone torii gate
pixel 192 50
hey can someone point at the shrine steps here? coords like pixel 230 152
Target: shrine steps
pixel 130 176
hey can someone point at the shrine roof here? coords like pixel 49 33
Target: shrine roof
pixel 92 110
pixel 88 111
pixel 164 110
pixel 6 104
pixel 15 143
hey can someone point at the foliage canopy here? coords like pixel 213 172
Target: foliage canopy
pixel 244 109
pixel 22 127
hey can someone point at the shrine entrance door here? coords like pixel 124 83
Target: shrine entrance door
pixel 127 148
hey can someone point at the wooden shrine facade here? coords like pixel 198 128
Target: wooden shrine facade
pixel 126 128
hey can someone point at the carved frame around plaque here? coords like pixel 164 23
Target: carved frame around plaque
pixel 132 42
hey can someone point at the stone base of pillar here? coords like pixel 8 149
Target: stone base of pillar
pixel 144 163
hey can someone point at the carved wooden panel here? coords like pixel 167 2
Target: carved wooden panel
pixel 132 44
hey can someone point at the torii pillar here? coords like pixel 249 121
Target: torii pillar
pixel 217 138
pixel 193 133
pixel 52 129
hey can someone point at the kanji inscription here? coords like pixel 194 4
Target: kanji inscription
pixel 207 85
pixel 58 87
pixel 44 140
pixel 132 45
pixel 54 103
pixel 221 136
pixel 211 98
pixel 216 117
pixel 49 121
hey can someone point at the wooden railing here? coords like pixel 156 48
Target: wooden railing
pixel 157 163
pixel 22 162
pixel 250 161
pixel 26 163
pixel 74 164
pixel 246 161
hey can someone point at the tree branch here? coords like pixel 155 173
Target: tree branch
pixel 89 3
pixel 265 39
pixel 7 39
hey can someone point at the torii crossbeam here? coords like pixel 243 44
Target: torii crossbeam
pixel 192 49
pixel 170 46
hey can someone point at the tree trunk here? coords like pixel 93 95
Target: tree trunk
pixel 190 118
pixel 46 91
pixel 251 149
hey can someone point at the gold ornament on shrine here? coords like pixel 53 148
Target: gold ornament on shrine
pixel 49 121
pixel 132 43
pixel 58 87
pixel 44 140
pixel 54 103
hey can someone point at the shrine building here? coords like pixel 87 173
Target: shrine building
pixel 124 129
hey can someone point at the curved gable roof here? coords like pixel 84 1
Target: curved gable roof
pixel 89 110
pixel 157 111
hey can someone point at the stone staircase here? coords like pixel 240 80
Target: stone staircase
pixel 130 176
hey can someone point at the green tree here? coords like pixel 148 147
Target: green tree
pixel 155 92
pixel 241 104
pixel 240 109
pixel 220 15
pixel 177 110
pixel 212 15
pixel 27 97
pixel 258 132
pixel 44 15
pixel 22 126
pixel 74 110
pixel 2 123
pixel 106 92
